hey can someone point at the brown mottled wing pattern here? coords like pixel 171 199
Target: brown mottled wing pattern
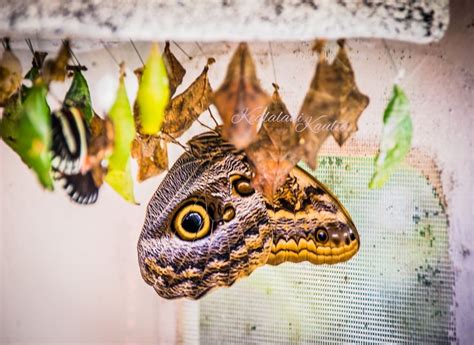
pixel 233 248
pixel 309 223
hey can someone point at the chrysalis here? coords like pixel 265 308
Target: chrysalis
pixel 153 93
pixel 10 74
pixel 118 175
pixel 396 138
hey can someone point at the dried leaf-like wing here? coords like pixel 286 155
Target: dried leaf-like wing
pixel 319 109
pixel 185 108
pixel 101 142
pixel 55 70
pixel 151 154
pixel 136 108
pixel 276 150
pixel 240 100
pixel 352 102
pixel 351 109
pixel 98 175
pixel 174 69
pixel 332 105
pixel 10 74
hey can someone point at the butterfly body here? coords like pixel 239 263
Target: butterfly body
pixel 207 227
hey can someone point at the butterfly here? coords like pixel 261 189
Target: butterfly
pixel 71 137
pixel 207 227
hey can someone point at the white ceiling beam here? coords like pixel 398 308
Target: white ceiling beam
pixel 230 20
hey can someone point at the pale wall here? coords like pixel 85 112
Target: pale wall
pixel 70 273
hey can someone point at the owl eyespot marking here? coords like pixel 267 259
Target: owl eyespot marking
pixel 229 213
pixel 241 185
pixel 322 235
pixel 192 222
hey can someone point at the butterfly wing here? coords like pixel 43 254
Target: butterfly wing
pixel 81 188
pixel 205 227
pixel 70 135
pixel 69 149
pixel 310 223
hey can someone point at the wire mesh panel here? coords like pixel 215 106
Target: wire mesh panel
pixel 397 289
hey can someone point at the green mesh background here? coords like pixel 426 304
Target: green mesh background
pixel 397 289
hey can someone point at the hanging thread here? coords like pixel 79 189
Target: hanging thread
pixel 110 53
pixel 136 51
pixel 182 50
pixel 400 71
pixel 273 63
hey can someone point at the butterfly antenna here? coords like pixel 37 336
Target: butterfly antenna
pixel 174 141
pixel 212 116
pixel 205 126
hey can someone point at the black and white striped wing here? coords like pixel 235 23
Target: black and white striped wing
pixel 70 135
pixel 81 188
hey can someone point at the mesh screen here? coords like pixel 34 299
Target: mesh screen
pixel 397 289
